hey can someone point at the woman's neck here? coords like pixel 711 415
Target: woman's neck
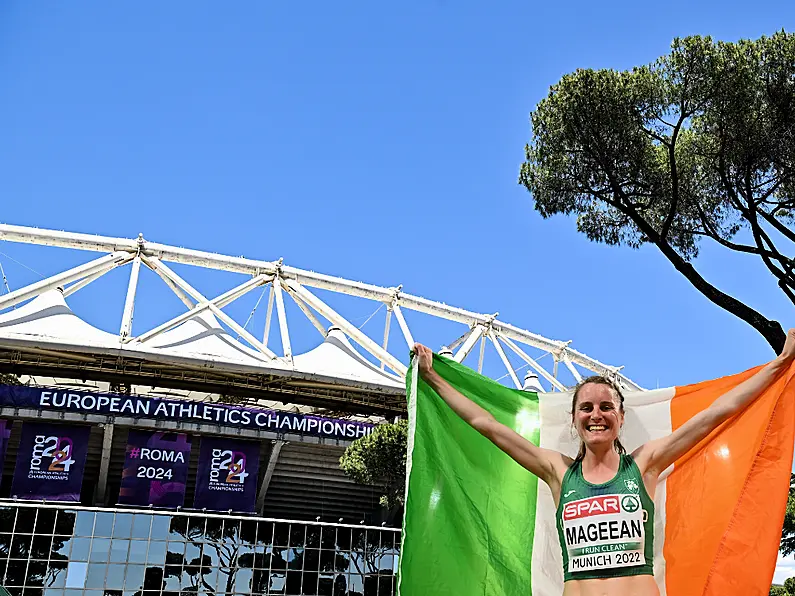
pixel 600 466
pixel 601 458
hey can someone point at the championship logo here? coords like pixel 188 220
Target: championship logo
pixel 228 467
pixel 236 470
pixel 52 453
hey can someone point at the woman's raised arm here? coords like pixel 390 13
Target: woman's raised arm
pixel 655 456
pixel 544 463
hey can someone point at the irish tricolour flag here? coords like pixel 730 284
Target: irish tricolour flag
pixel 476 523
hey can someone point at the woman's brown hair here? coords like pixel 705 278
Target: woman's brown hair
pixel 598 380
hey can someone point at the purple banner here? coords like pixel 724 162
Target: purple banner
pixel 108 404
pixel 50 462
pixel 5 433
pixel 227 477
pixel 155 469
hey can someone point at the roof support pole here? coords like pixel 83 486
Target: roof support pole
pixel 104 465
pixel 403 327
pixel 352 332
pixel 129 302
pixel 102 264
pixel 482 351
pixel 268 475
pixel 460 339
pixel 283 330
pixel 242 332
pixel 241 290
pixel 504 359
pixel 533 364
pixel 386 333
pixel 306 310
pixel 170 324
pixel 267 332
pixel 155 265
pixel 79 285
pixel 162 269
pixel 471 339
pixel 220 301
pixel 575 373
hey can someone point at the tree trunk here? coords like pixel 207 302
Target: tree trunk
pixel 772 331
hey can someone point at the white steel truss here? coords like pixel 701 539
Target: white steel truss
pixel 295 283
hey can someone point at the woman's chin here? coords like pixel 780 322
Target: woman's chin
pixel 599 442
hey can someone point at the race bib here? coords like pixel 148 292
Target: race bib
pixel 604 532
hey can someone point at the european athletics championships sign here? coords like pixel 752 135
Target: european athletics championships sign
pixel 81 402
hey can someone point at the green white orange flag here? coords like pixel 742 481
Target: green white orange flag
pixel 478 524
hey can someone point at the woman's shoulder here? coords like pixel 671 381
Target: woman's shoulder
pixel 631 464
pixel 568 462
pixel 640 457
pixel 561 463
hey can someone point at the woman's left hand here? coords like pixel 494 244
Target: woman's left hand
pixel 424 360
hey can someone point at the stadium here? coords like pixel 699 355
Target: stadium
pixel 201 455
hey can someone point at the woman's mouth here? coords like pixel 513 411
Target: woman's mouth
pixel 595 428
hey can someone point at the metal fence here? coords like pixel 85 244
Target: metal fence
pixel 57 550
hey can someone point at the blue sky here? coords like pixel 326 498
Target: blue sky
pixel 376 142
pixel 371 143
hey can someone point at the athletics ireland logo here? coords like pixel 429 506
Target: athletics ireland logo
pixel 632 486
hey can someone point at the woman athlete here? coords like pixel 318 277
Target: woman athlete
pixel 603 475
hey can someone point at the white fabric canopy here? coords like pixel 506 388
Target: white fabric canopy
pixel 47 322
pixel 336 357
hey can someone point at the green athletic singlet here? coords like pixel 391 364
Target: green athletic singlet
pixel 606 530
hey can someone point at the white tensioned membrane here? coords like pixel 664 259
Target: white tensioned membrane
pixel 47 321
pixel 43 321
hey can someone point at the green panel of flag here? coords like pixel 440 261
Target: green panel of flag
pixel 470 509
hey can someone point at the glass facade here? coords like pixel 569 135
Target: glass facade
pixel 74 551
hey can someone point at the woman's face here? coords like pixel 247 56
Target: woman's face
pixel 597 415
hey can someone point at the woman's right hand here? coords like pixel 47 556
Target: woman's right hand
pixel 424 359
pixel 788 353
pixel 547 465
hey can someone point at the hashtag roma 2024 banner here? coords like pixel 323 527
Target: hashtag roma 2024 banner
pixel 227 477
pixel 50 462
pixel 155 469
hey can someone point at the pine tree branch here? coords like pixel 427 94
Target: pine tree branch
pixel 773 221
pixel 674 176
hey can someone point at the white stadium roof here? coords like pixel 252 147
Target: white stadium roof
pixel 47 322
pixel 205 345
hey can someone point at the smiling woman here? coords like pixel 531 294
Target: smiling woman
pixel 605 521
pixel 598 409
pixel 604 497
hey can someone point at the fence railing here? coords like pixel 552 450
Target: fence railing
pixel 66 550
